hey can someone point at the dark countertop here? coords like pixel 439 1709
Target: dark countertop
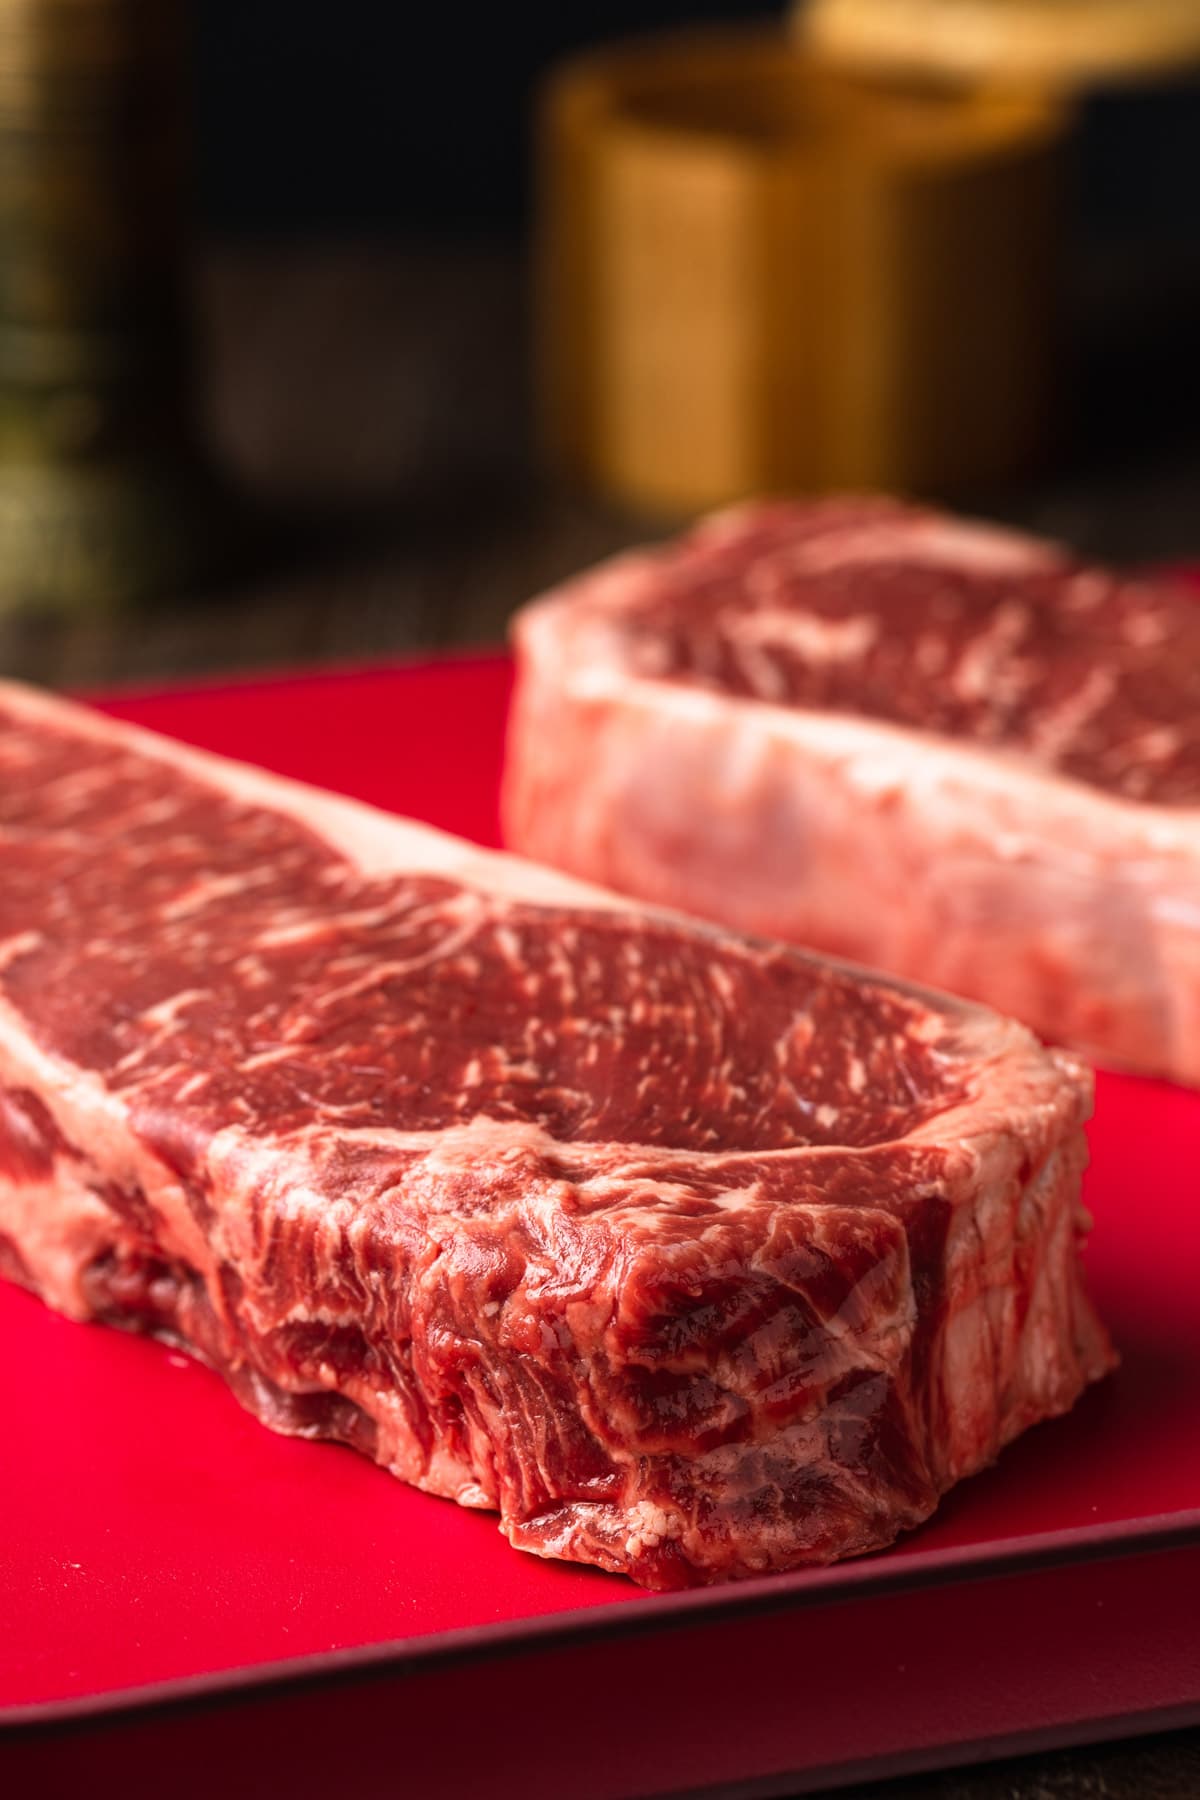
pixel 373 403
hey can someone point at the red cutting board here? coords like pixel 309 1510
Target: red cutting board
pixel 176 1582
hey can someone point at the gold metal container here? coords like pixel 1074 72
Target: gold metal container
pixel 757 273
pixel 99 481
pixel 1057 44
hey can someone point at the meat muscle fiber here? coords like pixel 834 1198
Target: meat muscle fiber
pixel 932 746
pixel 692 1256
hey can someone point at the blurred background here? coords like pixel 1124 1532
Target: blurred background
pixel 332 332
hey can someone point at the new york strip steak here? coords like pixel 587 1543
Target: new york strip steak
pixel 930 745
pixel 692 1256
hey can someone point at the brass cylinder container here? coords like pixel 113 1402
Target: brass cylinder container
pixel 759 274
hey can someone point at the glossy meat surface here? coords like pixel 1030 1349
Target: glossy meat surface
pixel 934 747
pixel 692 1256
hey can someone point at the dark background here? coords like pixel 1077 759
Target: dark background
pixel 387 116
pixel 404 130
pixel 411 125
pixel 363 339
pixel 394 118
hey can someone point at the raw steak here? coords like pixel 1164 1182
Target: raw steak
pixel 693 1256
pixel 926 744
